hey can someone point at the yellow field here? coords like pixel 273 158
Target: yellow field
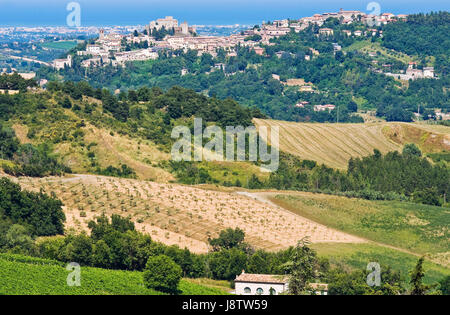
pixel 335 144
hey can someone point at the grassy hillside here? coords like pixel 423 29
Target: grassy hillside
pixel 357 256
pixel 80 145
pixel 335 144
pixel 19 275
pixel 367 46
pixel 418 228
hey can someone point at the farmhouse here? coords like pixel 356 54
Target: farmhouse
pixel 258 284
pixel 306 88
pixel 321 108
pixel 326 31
pixel 258 50
pixel 347 32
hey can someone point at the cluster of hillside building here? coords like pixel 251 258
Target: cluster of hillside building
pixel 169 23
pixel 109 48
pixel 413 73
pixel 348 17
pixel 317 108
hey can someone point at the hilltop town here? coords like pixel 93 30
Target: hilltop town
pixel 114 48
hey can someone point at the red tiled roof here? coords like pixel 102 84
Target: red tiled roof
pixel 319 286
pixel 257 278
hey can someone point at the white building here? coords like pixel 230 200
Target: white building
pixel 93 49
pixel 321 108
pixel 168 22
pixel 258 284
pixel 428 72
pixel 255 284
pixel 59 64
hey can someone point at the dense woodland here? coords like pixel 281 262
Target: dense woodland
pixel 422 35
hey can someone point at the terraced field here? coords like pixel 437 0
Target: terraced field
pixel 182 215
pixel 335 144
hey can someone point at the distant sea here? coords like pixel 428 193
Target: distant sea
pixel 199 12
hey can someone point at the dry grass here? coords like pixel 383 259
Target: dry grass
pixel 335 144
pixel 110 149
pixel 182 215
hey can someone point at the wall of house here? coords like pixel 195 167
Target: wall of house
pixel 240 288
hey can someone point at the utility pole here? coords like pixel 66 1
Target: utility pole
pixel 337 118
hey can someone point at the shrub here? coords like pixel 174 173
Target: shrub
pixel 41 214
pixel 162 274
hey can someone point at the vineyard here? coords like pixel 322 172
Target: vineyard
pixel 335 144
pixel 181 215
pixel 19 275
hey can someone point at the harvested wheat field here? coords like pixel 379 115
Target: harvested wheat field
pixel 335 144
pixel 182 215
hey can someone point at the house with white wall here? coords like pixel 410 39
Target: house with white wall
pixel 258 284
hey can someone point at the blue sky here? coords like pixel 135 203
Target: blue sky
pixel 132 12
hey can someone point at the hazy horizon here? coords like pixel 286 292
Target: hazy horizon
pixel 201 12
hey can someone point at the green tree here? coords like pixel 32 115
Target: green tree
pixel 101 255
pixel 416 282
pixel 228 239
pixel 428 196
pixel 411 149
pixel 67 103
pixel 163 274
pixel 78 249
pixel 302 267
pixel 18 239
pixel 445 285
pixel 227 263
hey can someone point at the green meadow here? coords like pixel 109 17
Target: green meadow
pixel 417 228
pixel 357 256
pixel 63 45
